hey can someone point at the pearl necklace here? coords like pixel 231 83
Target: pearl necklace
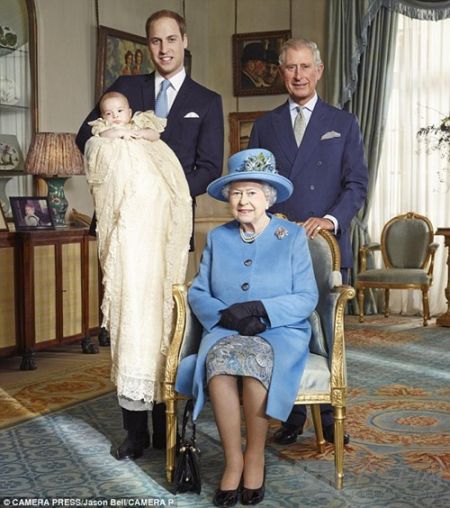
pixel 248 237
pixel 251 237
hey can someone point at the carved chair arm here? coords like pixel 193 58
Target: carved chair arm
pixel 363 251
pixel 338 364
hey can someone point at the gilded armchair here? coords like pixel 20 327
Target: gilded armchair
pixel 324 379
pixel 408 251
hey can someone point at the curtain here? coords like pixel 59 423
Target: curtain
pixel 410 177
pixel 360 61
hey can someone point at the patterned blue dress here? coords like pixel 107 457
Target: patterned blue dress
pixel 241 355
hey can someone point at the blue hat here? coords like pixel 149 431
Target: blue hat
pixel 252 164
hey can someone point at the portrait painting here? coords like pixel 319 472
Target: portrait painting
pixel 240 129
pixel 255 63
pixel 119 54
pixel 31 212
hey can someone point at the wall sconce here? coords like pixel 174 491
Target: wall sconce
pixel 55 157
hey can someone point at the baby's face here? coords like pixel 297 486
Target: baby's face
pixel 116 110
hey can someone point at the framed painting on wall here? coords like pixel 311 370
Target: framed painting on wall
pixel 240 128
pixel 255 63
pixel 119 54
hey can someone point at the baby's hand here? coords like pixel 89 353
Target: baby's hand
pixel 148 134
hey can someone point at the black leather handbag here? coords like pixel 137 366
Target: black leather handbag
pixel 187 470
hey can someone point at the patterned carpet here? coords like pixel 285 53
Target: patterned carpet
pixel 398 417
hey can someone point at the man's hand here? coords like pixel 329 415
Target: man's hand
pixel 314 224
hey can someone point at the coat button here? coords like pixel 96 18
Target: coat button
pixel 245 286
pixel 248 262
pixel 318 163
pixel 311 187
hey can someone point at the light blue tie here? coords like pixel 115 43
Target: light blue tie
pixel 162 104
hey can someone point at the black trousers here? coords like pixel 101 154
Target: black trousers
pixel 297 417
pixel 136 422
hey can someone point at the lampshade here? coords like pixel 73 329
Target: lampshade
pixel 54 154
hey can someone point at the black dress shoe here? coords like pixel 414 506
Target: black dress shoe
pixel 132 448
pixel 328 434
pixel 226 497
pixel 254 496
pixel 287 435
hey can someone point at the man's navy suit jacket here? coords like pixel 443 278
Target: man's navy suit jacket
pixel 194 128
pixel 328 170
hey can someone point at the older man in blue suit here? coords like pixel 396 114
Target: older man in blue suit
pixel 194 131
pixel 320 149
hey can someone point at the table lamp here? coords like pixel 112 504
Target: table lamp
pixel 55 157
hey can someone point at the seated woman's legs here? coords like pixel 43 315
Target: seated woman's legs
pixel 224 394
pixel 254 398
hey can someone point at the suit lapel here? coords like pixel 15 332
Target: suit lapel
pixel 148 92
pixel 284 132
pixel 180 99
pixel 311 138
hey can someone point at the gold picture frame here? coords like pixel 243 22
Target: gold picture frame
pixel 241 125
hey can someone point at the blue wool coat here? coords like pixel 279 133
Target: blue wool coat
pixel 275 269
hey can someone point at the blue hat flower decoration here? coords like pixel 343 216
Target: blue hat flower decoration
pixel 253 164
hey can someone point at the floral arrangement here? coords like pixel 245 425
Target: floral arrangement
pixel 259 162
pixel 437 137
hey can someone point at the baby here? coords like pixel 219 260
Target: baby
pixel 116 112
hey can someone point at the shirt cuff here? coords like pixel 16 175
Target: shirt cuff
pixel 334 221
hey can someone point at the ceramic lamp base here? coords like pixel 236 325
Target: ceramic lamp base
pixel 57 199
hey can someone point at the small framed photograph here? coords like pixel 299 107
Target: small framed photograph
pixel 119 54
pixel 31 212
pixel 3 223
pixel 11 158
pixel 255 63
pixel 240 129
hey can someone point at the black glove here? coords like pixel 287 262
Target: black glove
pixel 250 325
pixel 234 313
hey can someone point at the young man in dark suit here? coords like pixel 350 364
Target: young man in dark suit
pixel 194 131
pixel 320 149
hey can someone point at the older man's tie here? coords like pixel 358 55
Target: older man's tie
pixel 162 104
pixel 299 126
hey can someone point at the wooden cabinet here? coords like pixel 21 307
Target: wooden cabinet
pixel 52 289
pixel 9 323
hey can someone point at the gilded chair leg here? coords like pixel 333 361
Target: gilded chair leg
pixel 339 417
pixel 315 411
pixel 386 303
pixel 171 430
pixel 361 304
pixel 426 306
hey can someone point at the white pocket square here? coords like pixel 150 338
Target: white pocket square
pixel 331 135
pixel 192 114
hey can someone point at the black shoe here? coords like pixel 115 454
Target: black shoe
pixel 254 496
pixel 287 434
pixel 328 434
pixel 226 497
pixel 132 449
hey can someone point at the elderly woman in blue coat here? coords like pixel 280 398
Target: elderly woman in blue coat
pixel 253 295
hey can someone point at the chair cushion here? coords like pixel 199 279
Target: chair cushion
pixel 395 276
pixel 316 376
pixel 317 344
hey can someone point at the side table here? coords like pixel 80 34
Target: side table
pixel 444 319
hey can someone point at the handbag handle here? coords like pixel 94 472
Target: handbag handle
pixel 187 417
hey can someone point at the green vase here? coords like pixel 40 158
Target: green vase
pixel 57 199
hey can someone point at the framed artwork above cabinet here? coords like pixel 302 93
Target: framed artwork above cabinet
pixel 18 93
